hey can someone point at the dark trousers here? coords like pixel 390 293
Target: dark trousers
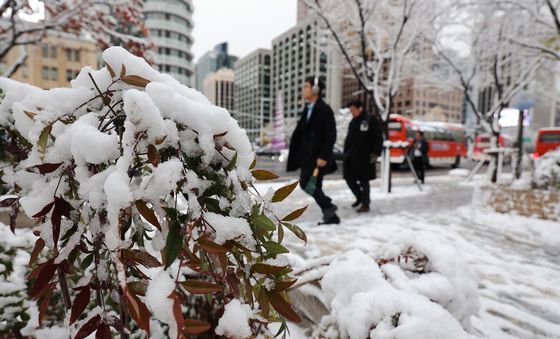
pixel 418 163
pixel 322 200
pixel 360 188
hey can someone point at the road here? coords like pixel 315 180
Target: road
pixel 279 168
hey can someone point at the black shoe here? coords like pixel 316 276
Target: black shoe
pixel 333 220
pixel 363 209
pixel 356 204
pixel 329 212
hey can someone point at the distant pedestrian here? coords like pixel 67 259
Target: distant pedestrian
pixel 311 147
pixel 419 153
pixel 363 144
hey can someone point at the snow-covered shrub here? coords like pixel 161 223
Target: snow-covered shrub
pixel 143 196
pixel 410 288
pixel 547 171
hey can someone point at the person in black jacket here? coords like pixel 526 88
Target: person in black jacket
pixel 362 146
pixel 419 153
pixel 311 146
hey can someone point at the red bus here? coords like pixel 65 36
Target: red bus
pixel 447 141
pixel 547 140
pixel 483 142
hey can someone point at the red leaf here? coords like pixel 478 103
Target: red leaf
pixel 147 213
pixel 295 214
pixel 196 326
pixel 210 246
pixel 44 211
pixel 141 257
pixel 39 245
pixel 200 287
pixel 138 311
pixel 283 192
pixel 153 155
pixel 281 286
pixel 88 328
pixel 103 332
pixel 44 277
pixel 61 209
pixel 80 304
pixel 44 168
pixel 8 201
pixel 264 175
pixel 283 307
pixel 177 312
pixel 44 306
pixel 267 269
pixel 135 80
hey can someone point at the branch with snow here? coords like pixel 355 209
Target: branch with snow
pixel 143 198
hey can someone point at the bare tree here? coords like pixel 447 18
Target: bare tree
pixel 107 21
pixel 494 61
pixel 545 17
pixel 383 43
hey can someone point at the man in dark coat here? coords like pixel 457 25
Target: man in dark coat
pixel 311 146
pixel 419 153
pixel 362 146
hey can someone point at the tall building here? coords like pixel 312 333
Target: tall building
pixel 302 11
pixel 252 92
pixel 54 61
pixel 170 25
pixel 211 62
pixel 428 102
pixel 298 53
pixel 218 87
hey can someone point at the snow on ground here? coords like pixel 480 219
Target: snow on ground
pixel 516 259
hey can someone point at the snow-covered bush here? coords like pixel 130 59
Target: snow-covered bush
pixel 143 196
pixel 409 288
pixel 547 171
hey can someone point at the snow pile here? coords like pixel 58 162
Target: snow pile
pixel 121 142
pixel 234 323
pixel 547 171
pixel 459 172
pixel 363 303
pixel 411 287
pixel 15 310
pixel 69 126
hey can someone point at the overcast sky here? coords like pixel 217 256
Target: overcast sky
pixel 245 24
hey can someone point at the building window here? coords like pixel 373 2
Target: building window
pixel 68 54
pixel 54 73
pixel 69 74
pixel 45 73
pixel 53 52
pixel 77 56
pixel 45 51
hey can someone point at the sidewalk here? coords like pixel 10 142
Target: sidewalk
pixel 517 259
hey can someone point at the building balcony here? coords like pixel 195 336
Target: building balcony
pixel 175 44
pixel 173 60
pixel 168 25
pixel 162 7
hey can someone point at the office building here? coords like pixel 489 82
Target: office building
pixel 54 61
pixel 218 87
pixel 211 62
pixel 298 53
pixel 170 25
pixel 252 92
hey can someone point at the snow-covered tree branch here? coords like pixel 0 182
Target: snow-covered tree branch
pixel 101 19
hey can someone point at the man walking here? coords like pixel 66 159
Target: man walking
pixel 362 146
pixel 419 152
pixel 311 147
